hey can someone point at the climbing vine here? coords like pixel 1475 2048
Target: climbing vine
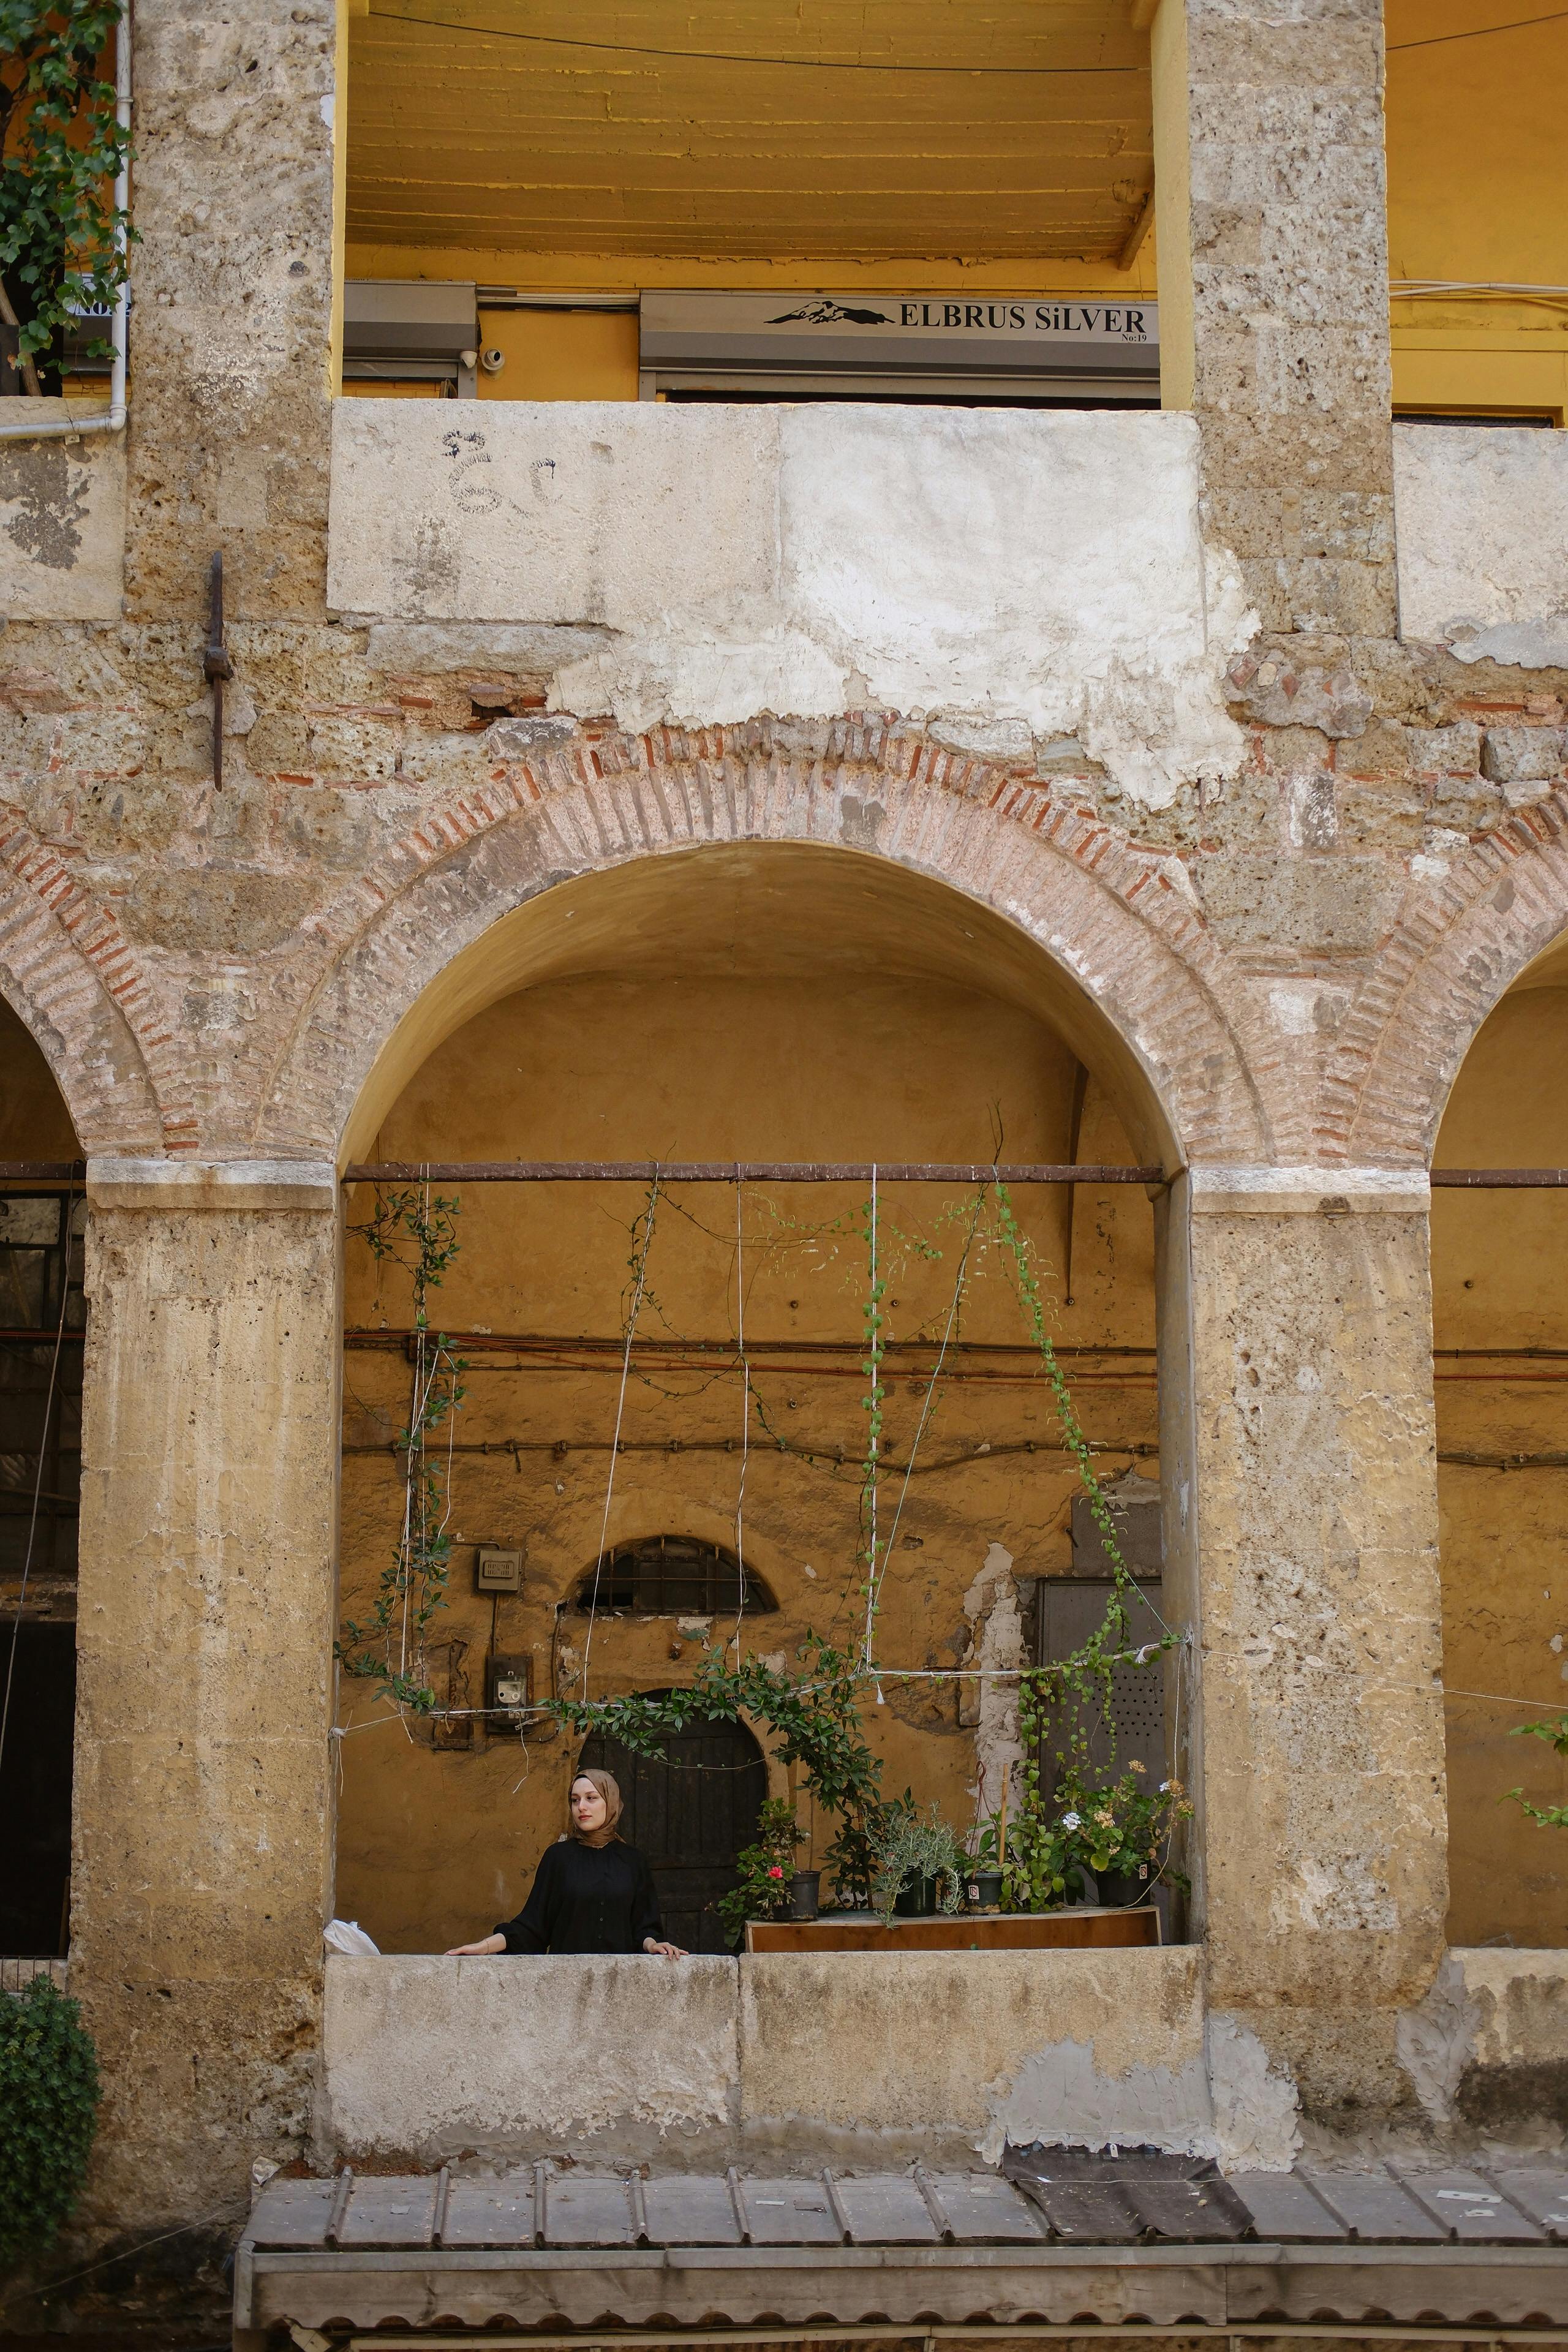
pixel 1546 1816
pixel 61 238
pixel 814 1712
pixel 419 1233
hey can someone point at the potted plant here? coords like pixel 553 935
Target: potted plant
pixel 763 1890
pixel 1124 1832
pixel 920 1865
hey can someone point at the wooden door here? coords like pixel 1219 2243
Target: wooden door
pixel 690 1812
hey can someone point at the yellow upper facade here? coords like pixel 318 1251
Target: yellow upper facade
pixel 959 146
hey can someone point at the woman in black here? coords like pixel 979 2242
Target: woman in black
pixel 592 1892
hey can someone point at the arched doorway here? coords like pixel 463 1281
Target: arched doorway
pixel 690 1812
pixel 1499 1284
pixel 778 1004
pixel 42 1326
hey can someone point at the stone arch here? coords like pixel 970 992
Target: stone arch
pixel 468 904
pixel 1458 947
pixel 69 972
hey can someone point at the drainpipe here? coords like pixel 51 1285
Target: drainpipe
pixel 113 418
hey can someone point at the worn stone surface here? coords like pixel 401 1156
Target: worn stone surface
pixel 863 2057
pixel 797 560
pixel 626 2059
pixel 1483 542
pixel 201 1867
pixel 1273 911
pixel 1321 1879
pixel 1286 239
pixel 62 518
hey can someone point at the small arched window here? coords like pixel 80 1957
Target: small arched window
pixel 671 1576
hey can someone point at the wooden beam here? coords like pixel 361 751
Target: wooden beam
pixel 1133 243
pixel 1143 14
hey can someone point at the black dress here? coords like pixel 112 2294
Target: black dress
pixel 586 1898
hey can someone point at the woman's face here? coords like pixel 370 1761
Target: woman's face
pixel 588 1807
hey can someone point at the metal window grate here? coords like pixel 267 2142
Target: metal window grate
pixel 669 1576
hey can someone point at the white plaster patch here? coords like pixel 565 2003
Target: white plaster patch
pixel 997 1648
pixel 1481 519
pixel 1059 2096
pixel 1256 2110
pixel 1004 575
pixel 1436 2041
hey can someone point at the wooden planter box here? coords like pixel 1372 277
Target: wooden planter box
pixel 1077 1930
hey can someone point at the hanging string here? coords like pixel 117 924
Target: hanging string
pixel 873 1369
pixel 639 1283
pixel 745 1409
pixel 38 1478
pixel 929 1406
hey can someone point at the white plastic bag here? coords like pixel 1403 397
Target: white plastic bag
pixel 348 1936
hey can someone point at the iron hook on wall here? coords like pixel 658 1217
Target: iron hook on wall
pixel 215 662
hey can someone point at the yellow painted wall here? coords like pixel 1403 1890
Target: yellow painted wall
pixel 1497 1262
pixel 1476 192
pixel 34 1121
pixel 437 1845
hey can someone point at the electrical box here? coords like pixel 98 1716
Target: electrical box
pixel 498 1572
pixel 509 1685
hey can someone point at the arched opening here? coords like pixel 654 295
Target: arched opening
pixel 690 1810
pixel 781 1004
pixel 1500 1338
pixel 671 1576
pixel 42 1321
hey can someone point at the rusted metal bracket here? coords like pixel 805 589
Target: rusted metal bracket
pixel 216 664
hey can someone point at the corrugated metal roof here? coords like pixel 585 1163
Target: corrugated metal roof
pixel 1057 2196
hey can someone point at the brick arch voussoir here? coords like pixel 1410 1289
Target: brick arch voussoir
pixel 1117 919
pixel 1458 947
pixel 69 972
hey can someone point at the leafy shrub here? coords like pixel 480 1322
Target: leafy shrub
pixel 765 1869
pixel 49 2114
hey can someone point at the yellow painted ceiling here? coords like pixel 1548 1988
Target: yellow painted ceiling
pixel 1024 135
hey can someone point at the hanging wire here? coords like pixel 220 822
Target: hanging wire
pixel 929 1405
pixel 38 1478
pixel 875 1448
pixel 639 1285
pixel 745 1409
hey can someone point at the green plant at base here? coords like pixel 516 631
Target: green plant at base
pixel 765 1867
pixel 60 150
pixel 48 2113
pixel 916 1845
pixel 1546 1816
pixel 388 1647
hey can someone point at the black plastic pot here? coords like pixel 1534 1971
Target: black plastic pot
pixel 1121 1891
pixel 805 1889
pixel 917 1899
pixel 985 1890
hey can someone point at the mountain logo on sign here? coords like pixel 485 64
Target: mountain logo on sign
pixel 826 313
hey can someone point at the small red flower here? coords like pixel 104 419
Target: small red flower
pixel 774 1870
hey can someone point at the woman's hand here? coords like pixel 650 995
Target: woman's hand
pixel 663 1951
pixel 474 1951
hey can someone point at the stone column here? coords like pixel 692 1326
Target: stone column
pixel 232 358
pixel 1302 1484
pixel 1271 220
pixel 201 1869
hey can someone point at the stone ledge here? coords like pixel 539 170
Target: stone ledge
pixel 173 1186
pixel 1239 1191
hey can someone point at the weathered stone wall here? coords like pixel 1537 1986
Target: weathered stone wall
pixel 1283 965
pixel 862 2058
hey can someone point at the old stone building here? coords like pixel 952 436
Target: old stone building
pixel 699 679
